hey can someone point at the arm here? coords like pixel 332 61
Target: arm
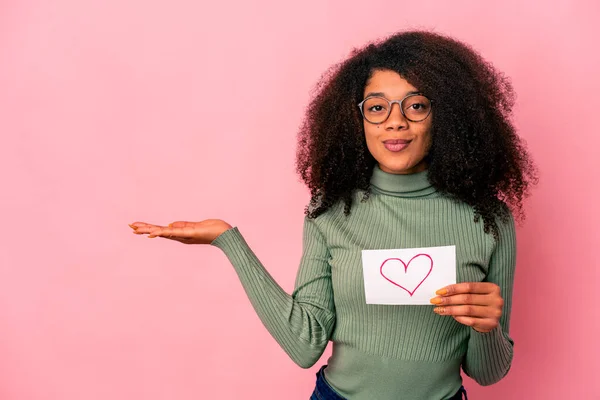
pixel 302 322
pixel 489 355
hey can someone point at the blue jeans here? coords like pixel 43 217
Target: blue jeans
pixel 323 391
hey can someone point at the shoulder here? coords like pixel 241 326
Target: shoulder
pixel 506 226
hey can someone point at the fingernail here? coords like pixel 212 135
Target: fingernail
pixel 436 300
pixel 170 225
pixel 133 226
pixel 442 292
pixel 151 237
pixel 439 310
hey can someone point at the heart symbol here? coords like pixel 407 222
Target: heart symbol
pixel 406 265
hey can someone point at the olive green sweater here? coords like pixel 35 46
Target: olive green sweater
pixel 384 352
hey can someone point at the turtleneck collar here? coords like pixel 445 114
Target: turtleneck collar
pixel 398 185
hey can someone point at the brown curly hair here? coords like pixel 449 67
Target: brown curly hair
pixel 475 157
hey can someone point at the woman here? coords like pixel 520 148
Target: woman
pixel 407 144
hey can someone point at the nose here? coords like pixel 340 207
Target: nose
pixel 396 119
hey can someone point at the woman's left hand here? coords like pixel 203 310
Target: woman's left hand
pixel 475 304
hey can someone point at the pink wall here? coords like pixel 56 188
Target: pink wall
pixel 116 111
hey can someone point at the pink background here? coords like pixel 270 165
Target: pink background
pixel 118 111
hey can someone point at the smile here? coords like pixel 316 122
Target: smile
pixel 396 145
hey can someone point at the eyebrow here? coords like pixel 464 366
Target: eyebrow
pixel 381 94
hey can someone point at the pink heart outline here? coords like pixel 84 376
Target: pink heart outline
pixel 406 270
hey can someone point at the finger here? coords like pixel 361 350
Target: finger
pixel 147 228
pixel 468 298
pixel 186 232
pixel 179 224
pixel 482 325
pixel 183 231
pixel 141 224
pixel 141 229
pixel 156 231
pixel 469 287
pixel 469 311
pixel 137 225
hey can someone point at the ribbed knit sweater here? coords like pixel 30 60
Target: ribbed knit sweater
pixel 384 352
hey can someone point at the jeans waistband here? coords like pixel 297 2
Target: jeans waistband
pixel 324 391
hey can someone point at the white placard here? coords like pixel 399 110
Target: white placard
pixel 407 276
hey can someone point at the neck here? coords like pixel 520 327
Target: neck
pixel 399 185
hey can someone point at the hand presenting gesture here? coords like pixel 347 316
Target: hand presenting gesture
pixel 203 232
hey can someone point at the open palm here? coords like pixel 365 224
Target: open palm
pixel 203 232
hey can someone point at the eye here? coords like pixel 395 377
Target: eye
pixel 418 107
pixel 375 105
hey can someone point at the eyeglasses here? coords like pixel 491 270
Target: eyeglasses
pixel 376 109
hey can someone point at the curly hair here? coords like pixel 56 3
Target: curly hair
pixel 475 156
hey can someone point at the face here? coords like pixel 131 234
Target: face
pixel 398 145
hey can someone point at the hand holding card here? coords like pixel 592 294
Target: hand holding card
pixel 475 304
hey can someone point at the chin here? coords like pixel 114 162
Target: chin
pixel 402 168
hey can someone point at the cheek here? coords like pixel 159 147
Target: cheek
pixel 426 140
pixel 372 134
pixel 372 131
pixel 372 147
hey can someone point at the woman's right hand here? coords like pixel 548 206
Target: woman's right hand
pixel 203 232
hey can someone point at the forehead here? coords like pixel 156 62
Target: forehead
pixel 390 83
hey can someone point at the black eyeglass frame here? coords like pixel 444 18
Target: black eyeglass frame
pixel 391 104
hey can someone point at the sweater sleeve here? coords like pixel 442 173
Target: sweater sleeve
pixel 489 355
pixel 302 322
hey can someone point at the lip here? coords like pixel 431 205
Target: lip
pixel 396 145
pixel 397 141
